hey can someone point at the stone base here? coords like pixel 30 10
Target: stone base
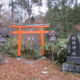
pixel 3 61
pixel 67 67
pixel 73 60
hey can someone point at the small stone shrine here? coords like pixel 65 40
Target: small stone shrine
pixel 2 41
pixel 73 59
pixel 52 36
pixel 53 40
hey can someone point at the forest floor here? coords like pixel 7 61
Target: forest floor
pixel 41 69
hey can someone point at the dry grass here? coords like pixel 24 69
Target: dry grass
pixel 23 70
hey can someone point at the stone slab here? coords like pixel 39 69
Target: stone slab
pixel 2 40
pixel 74 46
pixel 70 67
pixel 74 60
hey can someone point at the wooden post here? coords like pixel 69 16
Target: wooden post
pixel 19 42
pixel 42 41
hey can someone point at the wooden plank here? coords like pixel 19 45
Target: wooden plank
pixel 42 41
pixel 19 42
pixel 35 26
pixel 29 32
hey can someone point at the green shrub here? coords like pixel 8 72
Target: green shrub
pixel 36 54
pixel 10 47
pixel 59 50
pixel 49 49
pixel 27 49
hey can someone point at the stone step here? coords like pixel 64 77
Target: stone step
pixel 68 67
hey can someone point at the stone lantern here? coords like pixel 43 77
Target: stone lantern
pixel 52 36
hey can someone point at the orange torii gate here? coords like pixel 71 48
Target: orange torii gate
pixel 20 32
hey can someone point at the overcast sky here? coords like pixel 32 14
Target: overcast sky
pixel 43 8
pixel 35 8
pixel 79 1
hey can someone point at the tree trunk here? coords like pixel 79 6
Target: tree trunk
pixel 64 19
pixel 12 11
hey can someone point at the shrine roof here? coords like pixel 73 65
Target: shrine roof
pixel 30 25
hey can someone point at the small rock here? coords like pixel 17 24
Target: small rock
pixel 43 58
pixel 45 68
pixel 18 58
pixel 45 72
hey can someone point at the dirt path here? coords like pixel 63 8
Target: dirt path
pixel 33 70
